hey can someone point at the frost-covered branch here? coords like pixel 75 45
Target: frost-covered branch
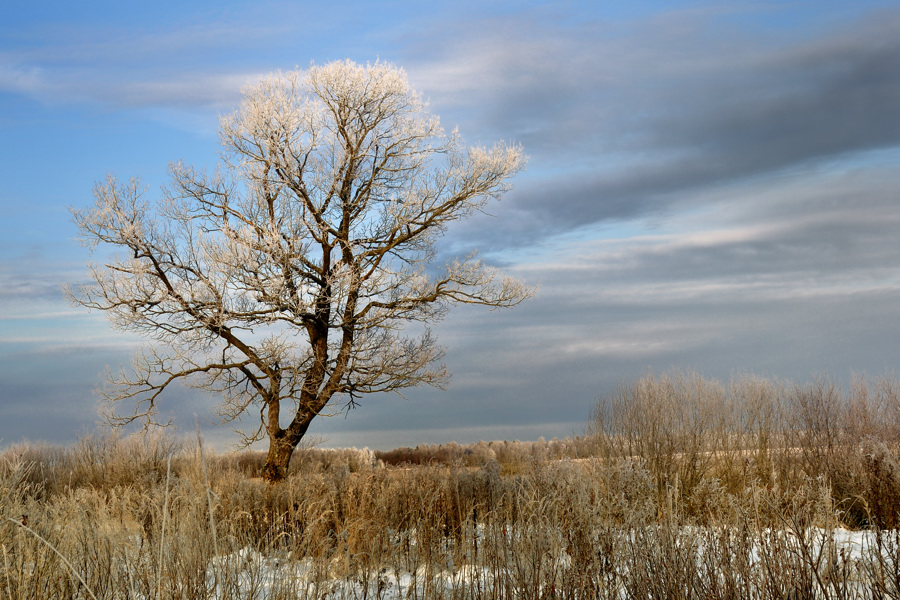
pixel 284 280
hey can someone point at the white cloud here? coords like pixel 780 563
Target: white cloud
pixel 204 90
pixel 22 80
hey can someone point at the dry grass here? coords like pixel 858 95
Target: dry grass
pixel 687 431
pixel 696 490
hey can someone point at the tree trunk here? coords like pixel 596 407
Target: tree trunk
pixel 281 448
pixel 277 460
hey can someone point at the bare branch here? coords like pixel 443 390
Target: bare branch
pixel 284 280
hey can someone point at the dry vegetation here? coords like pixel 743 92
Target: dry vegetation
pixel 684 488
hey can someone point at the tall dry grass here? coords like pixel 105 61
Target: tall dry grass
pixel 739 494
pixel 687 431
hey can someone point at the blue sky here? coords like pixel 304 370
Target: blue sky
pixel 712 186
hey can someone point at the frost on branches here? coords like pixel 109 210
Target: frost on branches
pixel 284 280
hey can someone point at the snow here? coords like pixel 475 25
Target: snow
pixel 249 574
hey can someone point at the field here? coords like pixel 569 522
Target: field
pixel 681 487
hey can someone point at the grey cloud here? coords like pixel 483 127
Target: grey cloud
pixel 801 238
pixel 33 270
pixel 509 375
pixel 821 99
pixel 49 388
pixel 30 280
pixel 847 232
pixel 789 279
pixel 685 110
pixel 27 288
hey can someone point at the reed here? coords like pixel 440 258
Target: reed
pixel 746 494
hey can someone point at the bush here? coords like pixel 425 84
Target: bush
pixel 687 431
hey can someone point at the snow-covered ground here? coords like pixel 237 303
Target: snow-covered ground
pixel 249 574
pixel 262 577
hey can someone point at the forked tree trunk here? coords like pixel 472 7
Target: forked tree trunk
pixel 277 460
pixel 281 448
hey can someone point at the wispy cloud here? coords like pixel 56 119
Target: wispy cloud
pixel 30 81
pixel 622 124
pixel 129 68
pixel 181 90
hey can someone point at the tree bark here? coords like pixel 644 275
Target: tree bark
pixel 281 448
pixel 277 460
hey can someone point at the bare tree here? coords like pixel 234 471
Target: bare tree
pixel 285 280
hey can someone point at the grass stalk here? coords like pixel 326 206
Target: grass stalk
pixel 212 521
pixel 6 567
pixel 162 535
pixel 209 501
pixel 57 552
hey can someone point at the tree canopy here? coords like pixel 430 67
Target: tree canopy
pixel 285 280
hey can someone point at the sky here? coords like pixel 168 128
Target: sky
pixel 713 187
